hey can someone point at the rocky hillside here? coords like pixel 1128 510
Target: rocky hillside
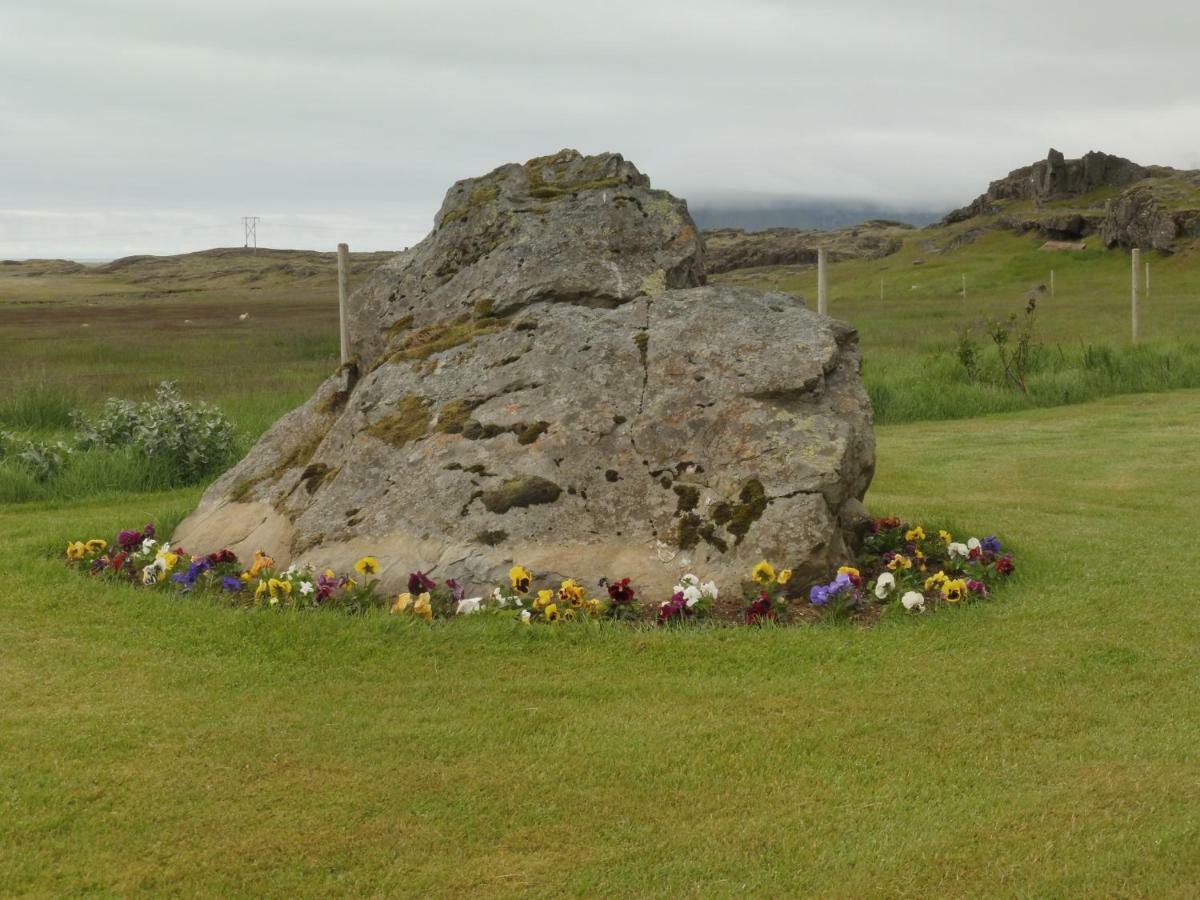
pixel 1121 202
pixel 727 249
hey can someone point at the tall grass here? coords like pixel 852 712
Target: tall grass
pixel 934 386
pixel 41 406
pixel 94 473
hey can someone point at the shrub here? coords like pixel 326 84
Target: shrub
pixel 41 459
pixel 191 439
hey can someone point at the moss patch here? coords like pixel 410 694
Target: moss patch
pixel 689 498
pixel 423 343
pixel 454 416
pixel 401 324
pixel 749 511
pixel 315 475
pixel 410 422
pixel 518 493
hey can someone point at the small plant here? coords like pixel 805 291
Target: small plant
pixel 192 439
pixel 968 353
pixel 42 460
pixel 691 600
pixel 766 600
pixel 1016 346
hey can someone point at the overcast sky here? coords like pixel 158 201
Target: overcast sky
pixel 154 125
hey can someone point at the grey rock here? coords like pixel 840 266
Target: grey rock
pixel 1138 219
pixel 603 415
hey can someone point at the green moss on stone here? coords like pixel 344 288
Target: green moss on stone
pixel 689 498
pixel 410 422
pixel 453 417
pixel 749 511
pixel 517 493
pixel 423 343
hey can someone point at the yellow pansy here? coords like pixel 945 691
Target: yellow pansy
pixel 945 536
pixel 77 550
pixel 785 575
pixel 899 561
pixel 260 591
pixel 367 566
pixel 953 591
pixel 169 560
pixel 595 607
pixel 763 573
pixel 402 603
pixel 423 608
pixel 279 588
pixel 915 534
pixel 543 600
pixel 848 570
pixel 571 592
pixel 936 580
pixel 97 545
pixel 551 612
pixel 261 561
pixel 521 578
pixel 568 614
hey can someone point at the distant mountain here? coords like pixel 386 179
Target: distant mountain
pixel 799 212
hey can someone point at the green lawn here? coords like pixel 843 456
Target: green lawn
pixel 1044 744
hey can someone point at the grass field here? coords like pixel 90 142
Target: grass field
pixel 1044 744
pixel 1040 745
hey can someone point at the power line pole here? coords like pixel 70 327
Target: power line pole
pixel 250 224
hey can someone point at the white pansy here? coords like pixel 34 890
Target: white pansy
pixel 306 588
pixel 150 575
pixel 973 544
pixel 526 615
pixel 148 544
pixel 289 572
pixel 885 585
pixel 955 550
pixel 692 595
pixel 710 589
pixel 913 600
pixel 689 579
pixel 469 605
pixel 498 598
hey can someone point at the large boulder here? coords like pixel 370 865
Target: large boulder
pixel 544 380
pixel 1138 218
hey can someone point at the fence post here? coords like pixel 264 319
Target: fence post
pixel 822 284
pixel 343 263
pixel 1136 309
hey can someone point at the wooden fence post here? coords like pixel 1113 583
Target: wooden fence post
pixel 343 263
pixel 822 284
pixel 1136 306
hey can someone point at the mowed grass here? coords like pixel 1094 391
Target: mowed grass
pixel 1040 745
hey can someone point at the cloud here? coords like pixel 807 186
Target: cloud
pixel 360 115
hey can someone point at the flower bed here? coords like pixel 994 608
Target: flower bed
pixel 901 570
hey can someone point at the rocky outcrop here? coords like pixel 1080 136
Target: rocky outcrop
pixel 727 249
pixel 545 380
pixel 1138 219
pixel 1054 178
